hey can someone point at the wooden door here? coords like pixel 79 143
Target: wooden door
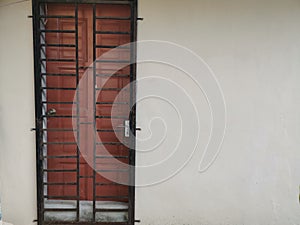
pixel 69 176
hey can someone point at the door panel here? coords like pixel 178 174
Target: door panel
pixel 62 89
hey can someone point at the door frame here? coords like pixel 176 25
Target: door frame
pixel 39 112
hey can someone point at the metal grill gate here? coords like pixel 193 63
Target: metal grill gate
pixel 69 38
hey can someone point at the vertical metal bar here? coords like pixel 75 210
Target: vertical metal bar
pixel 38 109
pixel 94 111
pixel 44 120
pixel 78 113
pixel 131 187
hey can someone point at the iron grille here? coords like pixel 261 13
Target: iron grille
pixel 56 204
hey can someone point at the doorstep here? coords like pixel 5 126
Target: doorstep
pixel 4 223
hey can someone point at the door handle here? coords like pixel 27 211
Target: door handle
pixel 132 127
pixel 51 112
pixel 126 127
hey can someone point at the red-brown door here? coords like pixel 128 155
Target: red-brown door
pixel 60 88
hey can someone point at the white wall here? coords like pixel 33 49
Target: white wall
pixel 253 48
pixel 17 143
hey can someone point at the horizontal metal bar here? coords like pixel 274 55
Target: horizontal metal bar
pixel 82 177
pixel 116 2
pixel 59 129
pixel 59 184
pixel 59 74
pixel 112 32
pixel 60 157
pixel 109 143
pixel 112 89
pixel 59 143
pixel 111 117
pixel 86 67
pixel 59 45
pixel 112 18
pixel 109 184
pixel 58 31
pixel 113 75
pixel 111 157
pixel 60 171
pixel 112 61
pixel 113 46
pixel 113 197
pixel 59 210
pixel 60 103
pixel 58 88
pixel 61 196
pixel 58 116
pixel 56 17
pixel 112 103
pixel 111 210
pixel 112 171
pixel 58 60
pixel 103 130
pixel 86 123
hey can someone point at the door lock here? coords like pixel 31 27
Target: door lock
pixel 51 112
pixel 126 128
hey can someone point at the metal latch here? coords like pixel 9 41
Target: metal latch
pixel 126 128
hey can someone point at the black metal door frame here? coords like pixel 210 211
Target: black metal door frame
pixel 40 114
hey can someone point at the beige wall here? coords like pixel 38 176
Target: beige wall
pixel 253 48
pixel 17 143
